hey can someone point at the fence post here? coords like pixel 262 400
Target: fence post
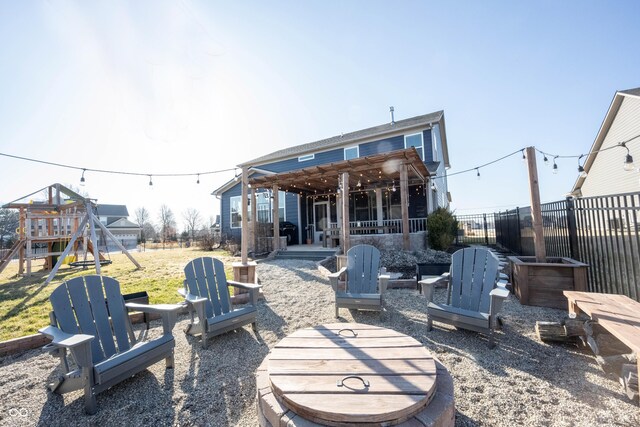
pixel 518 231
pixel 486 233
pixel 572 229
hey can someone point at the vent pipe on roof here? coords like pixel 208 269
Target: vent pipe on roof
pixel 392 119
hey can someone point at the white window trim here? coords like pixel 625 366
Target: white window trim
pixel 344 152
pixel 421 142
pixel 434 143
pixel 231 211
pixel 306 157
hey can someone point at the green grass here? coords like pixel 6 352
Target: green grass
pixel 24 301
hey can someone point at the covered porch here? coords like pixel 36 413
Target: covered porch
pixel 347 201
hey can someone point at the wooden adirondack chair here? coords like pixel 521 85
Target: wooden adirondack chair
pixel 88 313
pixel 364 283
pixel 474 297
pixel 206 291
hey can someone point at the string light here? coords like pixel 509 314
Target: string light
pixel 478 173
pixel 581 171
pixel 198 181
pixel 82 177
pixel 546 160
pixel 555 166
pixel 628 160
pixel 524 158
pixel 150 181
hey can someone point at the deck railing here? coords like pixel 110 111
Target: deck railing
pixel 386 226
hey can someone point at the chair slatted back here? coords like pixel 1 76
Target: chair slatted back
pixel 205 277
pixel 79 306
pixel 474 272
pixel 363 265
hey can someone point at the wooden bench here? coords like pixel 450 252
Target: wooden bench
pixel 618 314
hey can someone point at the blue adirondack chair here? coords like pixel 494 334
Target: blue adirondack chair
pixel 474 294
pixel 206 291
pixel 364 284
pixel 90 321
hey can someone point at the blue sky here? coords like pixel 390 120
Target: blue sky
pixel 191 86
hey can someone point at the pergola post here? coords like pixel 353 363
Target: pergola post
pixel 344 184
pixel 404 203
pixel 276 218
pixel 536 210
pixel 244 271
pixel 253 224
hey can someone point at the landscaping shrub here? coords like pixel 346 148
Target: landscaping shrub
pixel 442 227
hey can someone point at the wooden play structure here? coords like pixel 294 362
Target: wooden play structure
pixel 57 229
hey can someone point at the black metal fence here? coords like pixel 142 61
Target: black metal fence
pixel 476 229
pixel 602 231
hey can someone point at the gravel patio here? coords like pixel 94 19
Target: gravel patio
pixel 521 382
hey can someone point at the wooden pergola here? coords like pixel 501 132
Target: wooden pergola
pixel 400 168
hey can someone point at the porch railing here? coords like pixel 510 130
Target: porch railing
pixel 387 226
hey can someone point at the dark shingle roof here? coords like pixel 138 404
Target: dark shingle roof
pixel 635 92
pixel 113 210
pixel 344 139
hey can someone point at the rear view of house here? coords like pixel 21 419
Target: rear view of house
pixel 380 180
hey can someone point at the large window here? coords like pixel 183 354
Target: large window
pixel 351 153
pixel 415 140
pixel 236 211
pixel 264 204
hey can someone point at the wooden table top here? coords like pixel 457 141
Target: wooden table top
pixel 618 314
pixel 345 373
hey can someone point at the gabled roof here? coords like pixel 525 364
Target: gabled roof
pixel 123 223
pixel 112 210
pixel 352 137
pixel 602 133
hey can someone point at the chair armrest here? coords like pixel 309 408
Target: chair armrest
pixel 78 344
pixel 154 308
pixel 499 293
pixel 169 313
pixel 242 285
pixel 334 277
pixel 63 339
pixel 427 285
pixel 383 282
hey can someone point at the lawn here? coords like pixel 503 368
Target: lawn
pixel 24 301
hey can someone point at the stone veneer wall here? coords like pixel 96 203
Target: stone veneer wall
pixel 417 241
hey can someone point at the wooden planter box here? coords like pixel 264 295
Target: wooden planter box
pixel 541 284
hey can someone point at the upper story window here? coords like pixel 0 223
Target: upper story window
pixel 351 153
pixel 415 140
pixel 306 157
pixel 435 133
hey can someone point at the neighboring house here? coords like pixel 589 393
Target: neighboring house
pixel 396 175
pixel 606 171
pixel 115 218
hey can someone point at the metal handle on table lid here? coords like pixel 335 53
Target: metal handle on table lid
pixel 340 383
pixel 355 334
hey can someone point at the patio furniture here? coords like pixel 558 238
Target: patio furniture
pixel 347 374
pixel 206 291
pixel 363 283
pixel 101 341
pixel 474 297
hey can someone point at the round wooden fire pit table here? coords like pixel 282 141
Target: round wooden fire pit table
pixel 345 374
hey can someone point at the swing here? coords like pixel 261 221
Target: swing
pixel 85 263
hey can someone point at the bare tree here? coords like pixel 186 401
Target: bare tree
pixel 9 222
pixel 143 220
pixel 192 221
pixel 167 223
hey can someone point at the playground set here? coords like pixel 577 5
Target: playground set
pixel 61 229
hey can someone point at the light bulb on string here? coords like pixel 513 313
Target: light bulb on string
pixel 628 163
pixel 150 181
pixel 198 181
pixel 478 173
pixel 545 160
pixel 555 166
pixel 524 158
pixel 82 177
pixel 581 171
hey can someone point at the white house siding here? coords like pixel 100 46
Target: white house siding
pixel 606 175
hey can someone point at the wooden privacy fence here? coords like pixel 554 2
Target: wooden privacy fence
pixel 602 231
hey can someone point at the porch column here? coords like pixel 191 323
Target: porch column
pixel 346 244
pixel 276 218
pixel 245 213
pixel 253 224
pixel 379 206
pixel 404 203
